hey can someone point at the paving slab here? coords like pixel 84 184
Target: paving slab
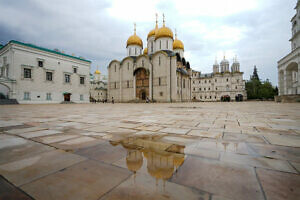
pixel 9 192
pixel 243 137
pixel 284 140
pixel 24 130
pixel 279 185
pixel 86 180
pixel 146 188
pixel 39 133
pixel 54 138
pixel 206 134
pixel 263 162
pixel 175 130
pixel 28 169
pixel 219 178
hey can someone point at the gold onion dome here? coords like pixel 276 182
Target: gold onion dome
pixel 97 72
pixel 164 31
pixel 134 39
pixel 177 44
pixel 146 51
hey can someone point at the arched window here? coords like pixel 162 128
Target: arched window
pixel 160 44
pixel 129 51
pixel 167 44
pixel 143 63
pixel 135 51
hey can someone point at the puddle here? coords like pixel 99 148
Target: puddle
pixel 148 155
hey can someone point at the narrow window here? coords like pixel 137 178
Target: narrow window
pixel 82 80
pixel 200 89
pixel 75 70
pixel 236 87
pixel 215 80
pixel 49 76
pixel 205 81
pixel 129 51
pixel 115 85
pixel 183 83
pixel 128 65
pixel 40 63
pixel 151 47
pixel 48 97
pixel 115 68
pixel 227 79
pixel 26 96
pixel 209 88
pixel 160 44
pixel 81 97
pixel 167 44
pixel 159 60
pixel 159 81
pixel 143 63
pixel 127 84
pixel 67 78
pixel 135 51
pixel 27 73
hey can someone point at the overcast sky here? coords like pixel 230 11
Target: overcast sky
pixel 257 31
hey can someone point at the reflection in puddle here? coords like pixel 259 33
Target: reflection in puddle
pixel 158 156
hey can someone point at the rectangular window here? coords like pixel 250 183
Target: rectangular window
pixel 183 83
pixel 115 85
pixel 48 97
pixel 27 73
pixel 167 44
pixel 74 70
pixel 81 97
pixel 161 94
pixel 159 81
pixel 82 80
pixel 26 96
pixel 67 78
pixel 127 84
pixel 160 44
pixel 40 63
pixel 49 76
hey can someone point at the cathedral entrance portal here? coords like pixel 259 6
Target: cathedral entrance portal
pixel 142 83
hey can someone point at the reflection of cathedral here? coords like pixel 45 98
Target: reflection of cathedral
pixel 161 164
pixel 159 72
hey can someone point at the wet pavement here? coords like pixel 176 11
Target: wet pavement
pixel 216 151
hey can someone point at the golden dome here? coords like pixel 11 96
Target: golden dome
pixel 177 44
pixel 164 32
pixel 153 31
pixel 97 72
pixel 134 39
pixel 146 51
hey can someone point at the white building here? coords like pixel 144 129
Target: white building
pixel 220 85
pixel 159 72
pixel 32 74
pixel 289 66
pixel 98 87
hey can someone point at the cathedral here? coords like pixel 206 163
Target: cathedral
pixel 158 72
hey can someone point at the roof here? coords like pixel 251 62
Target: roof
pixel 44 49
pixel 183 71
pixel 206 75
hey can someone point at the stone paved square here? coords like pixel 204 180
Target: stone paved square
pixel 232 151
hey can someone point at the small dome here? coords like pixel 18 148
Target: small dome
pixel 224 61
pixel 146 51
pixel 177 44
pixel 164 32
pixel 134 40
pixel 97 72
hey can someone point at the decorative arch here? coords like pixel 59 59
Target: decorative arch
pixel 291 77
pixel 142 83
pixel 4 91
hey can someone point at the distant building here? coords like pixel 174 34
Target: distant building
pixel 158 73
pixel 32 74
pixel 221 85
pixel 98 87
pixel 289 66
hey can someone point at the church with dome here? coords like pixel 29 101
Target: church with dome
pixel 157 71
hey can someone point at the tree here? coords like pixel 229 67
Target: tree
pixel 255 74
pixel 260 90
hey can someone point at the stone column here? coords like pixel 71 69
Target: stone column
pixel 284 82
pixel 150 83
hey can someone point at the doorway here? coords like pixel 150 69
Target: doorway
pixel 67 96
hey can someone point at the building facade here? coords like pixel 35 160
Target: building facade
pixel 98 87
pixel 32 74
pixel 221 85
pixel 289 66
pixel 158 73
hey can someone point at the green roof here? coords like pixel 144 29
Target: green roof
pixel 45 49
